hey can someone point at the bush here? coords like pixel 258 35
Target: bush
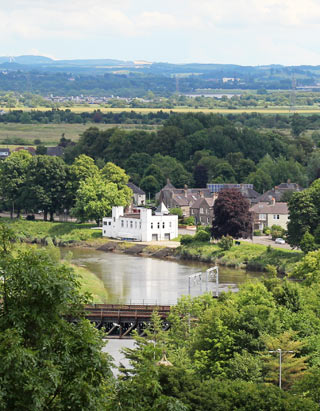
pixel 176 211
pixel 202 236
pixel 257 232
pixel 277 231
pixel 186 239
pixel 266 231
pixel 189 220
pixel 226 242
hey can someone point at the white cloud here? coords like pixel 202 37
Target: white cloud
pixel 244 31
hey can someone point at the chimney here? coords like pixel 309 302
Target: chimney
pixel 273 201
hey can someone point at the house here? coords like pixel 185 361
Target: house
pixel 141 225
pixel 278 191
pixel 202 210
pixel 267 215
pixel 31 150
pixel 139 196
pixel 183 198
pixel 4 153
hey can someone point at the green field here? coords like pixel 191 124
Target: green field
pixel 49 134
pixel 91 108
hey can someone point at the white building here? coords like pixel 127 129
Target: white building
pixel 141 225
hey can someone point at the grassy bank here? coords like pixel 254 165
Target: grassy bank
pixel 253 257
pixel 92 284
pixel 66 233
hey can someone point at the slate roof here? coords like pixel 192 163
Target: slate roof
pixel 264 208
pixel 199 203
pixel 136 189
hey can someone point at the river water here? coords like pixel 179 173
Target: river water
pixel 131 279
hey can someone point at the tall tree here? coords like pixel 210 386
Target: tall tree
pixel 45 187
pixel 13 179
pixel 231 215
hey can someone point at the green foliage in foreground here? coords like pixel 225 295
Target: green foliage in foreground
pixel 47 362
pixel 218 353
pixel 255 257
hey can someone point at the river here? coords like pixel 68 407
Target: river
pixel 131 279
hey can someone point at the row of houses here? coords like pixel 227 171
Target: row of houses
pixel 267 208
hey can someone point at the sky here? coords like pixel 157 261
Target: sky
pixel 246 32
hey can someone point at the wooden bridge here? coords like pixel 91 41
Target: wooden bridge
pixel 119 320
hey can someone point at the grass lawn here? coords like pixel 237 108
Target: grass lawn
pixel 254 257
pixel 92 284
pixel 62 233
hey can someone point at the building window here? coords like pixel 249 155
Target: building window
pixel 109 222
pixel 151 226
pixel 131 224
pixel 158 225
pixel 276 217
pixel 140 224
pixel 105 223
pixel 104 231
pixel 122 223
pixel 163 224
pixel 170 224
pixel 135 224
pixel 127 224
pixel 262 216
pixel 201 210
pixel 114 219
pixel 191 210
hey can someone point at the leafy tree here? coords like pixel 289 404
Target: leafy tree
pixel 307 243
pixel 150 185
pixel 45 187
pixel 13 179
pixel 47 362
pixel 155 171
pixel 304 210
pixel 98 194
pixel 292 364
pixel 176 211
pixel 200 175
pixel 260 179
pixel 231 215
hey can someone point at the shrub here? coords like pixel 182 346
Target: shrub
pixel 307 243
pixel 176 211
pixel 277 231
pixel 226 242
pixel 266 231
pixel 189 220
pixel 257 232
pixel 202 236
pixel 186 239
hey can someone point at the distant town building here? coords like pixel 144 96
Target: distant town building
pixel 269 214
pixel 141 225
pixel 139 196
pixel 277 192
pixel 202 210
pixel 31 150
pixel 4 153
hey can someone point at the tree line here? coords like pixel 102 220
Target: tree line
pixel 197 148
pixel 48 185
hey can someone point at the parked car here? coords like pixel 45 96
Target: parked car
pixel 279 241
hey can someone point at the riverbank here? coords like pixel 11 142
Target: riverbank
pixel 251 257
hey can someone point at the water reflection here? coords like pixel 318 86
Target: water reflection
pixel 146 280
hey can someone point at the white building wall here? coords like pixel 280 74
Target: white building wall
pixel 145 228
